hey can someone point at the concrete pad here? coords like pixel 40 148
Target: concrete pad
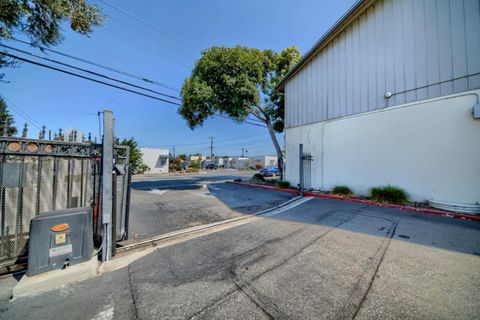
pixel 56 278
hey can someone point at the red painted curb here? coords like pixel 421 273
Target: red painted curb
pixel 369 202
pixel 292 191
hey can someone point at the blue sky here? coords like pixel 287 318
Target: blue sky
pixel 188 26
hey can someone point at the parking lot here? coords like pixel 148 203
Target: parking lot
pixel 166 203
pixel 324 259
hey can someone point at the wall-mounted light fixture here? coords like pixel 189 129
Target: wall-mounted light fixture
pixel 388 95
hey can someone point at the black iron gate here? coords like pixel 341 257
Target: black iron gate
pixel 44 175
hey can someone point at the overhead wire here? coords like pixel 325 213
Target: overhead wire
pixel 148 37
pixel 23 114
pixel 96 64
pixel 167 33
pixel 87 78
pixel 89 71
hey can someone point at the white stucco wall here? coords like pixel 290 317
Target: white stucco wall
pixel 430 148
pixel 151 157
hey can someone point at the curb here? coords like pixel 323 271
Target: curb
pixel 259 186
pixel 368 202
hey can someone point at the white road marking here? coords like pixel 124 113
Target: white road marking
pixel 158 192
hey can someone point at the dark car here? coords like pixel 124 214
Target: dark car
pixel 269 171
pixel 211 166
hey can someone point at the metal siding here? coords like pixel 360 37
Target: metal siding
pixel 472 27
pixel 459 47
pixel 406 47
pixel 445 45
pixel 421 49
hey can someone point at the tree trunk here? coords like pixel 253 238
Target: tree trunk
pixel 276 145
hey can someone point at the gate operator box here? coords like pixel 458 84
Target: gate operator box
pixel 58 239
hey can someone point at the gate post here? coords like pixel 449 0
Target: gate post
pixel 107 169
pixel 300 158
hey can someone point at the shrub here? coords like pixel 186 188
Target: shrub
pixel 191 170
pixel 238 180
pixel 283 184
pixel 390 194
pixel 342 190
pixel 258 176
pixel 195 164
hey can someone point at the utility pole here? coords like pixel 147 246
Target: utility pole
pixel 211 149
pixel 242 152
pixel 173 152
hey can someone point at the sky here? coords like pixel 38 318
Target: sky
pixel 164 49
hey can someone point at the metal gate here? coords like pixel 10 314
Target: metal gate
pixel 44 175
pixel 305 170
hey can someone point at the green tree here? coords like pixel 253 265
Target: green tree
pixel 41 20
pixel 136 163
pixel 238 82
pixel 182 156
pixel 6 119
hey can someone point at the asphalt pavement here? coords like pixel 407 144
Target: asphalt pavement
pixel 162 204
pixel 324 259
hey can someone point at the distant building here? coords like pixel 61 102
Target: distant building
pixel 155 159
pixel 241 162
pixel 72 135
pixel 265 161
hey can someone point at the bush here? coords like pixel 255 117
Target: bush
pixel 195 164
pixel 342 191
pixel 258 176
pixel 191 170
pixel 390 194
pixel 238 180
pixel 283 184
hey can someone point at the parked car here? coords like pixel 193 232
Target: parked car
pixel 211 166
pixel 269 171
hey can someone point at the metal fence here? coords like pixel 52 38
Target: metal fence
pixel 38 176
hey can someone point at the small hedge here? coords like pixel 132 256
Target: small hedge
pixel 283 184
pixel 258 176
pixel 390 194
pixel 342 190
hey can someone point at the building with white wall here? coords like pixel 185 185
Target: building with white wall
pixel 155 159
pixel 265 161
pixel 386 97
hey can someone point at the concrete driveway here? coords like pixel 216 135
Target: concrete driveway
pixel 324 259
pixel 164 204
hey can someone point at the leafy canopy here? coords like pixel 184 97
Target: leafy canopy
pixel 6 119
pixel 41 19
pixel 136 162
pixel 235 82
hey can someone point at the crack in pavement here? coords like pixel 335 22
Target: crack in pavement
pixel 356 298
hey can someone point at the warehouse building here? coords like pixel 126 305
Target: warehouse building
pixel 155 159
pixel 387 96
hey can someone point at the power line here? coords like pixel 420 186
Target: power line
pixel 87 78
pixel 90 72
pixel 29 119
pixel 169 34
pixel 96 64
pixel 151 38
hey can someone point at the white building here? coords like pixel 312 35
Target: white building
pixel 241 163
pixel 265 161
pixel 386 97
pixel 155 159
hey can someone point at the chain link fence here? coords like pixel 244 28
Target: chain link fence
pixel 33 182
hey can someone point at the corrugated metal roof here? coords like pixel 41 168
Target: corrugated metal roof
pixel 359 7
